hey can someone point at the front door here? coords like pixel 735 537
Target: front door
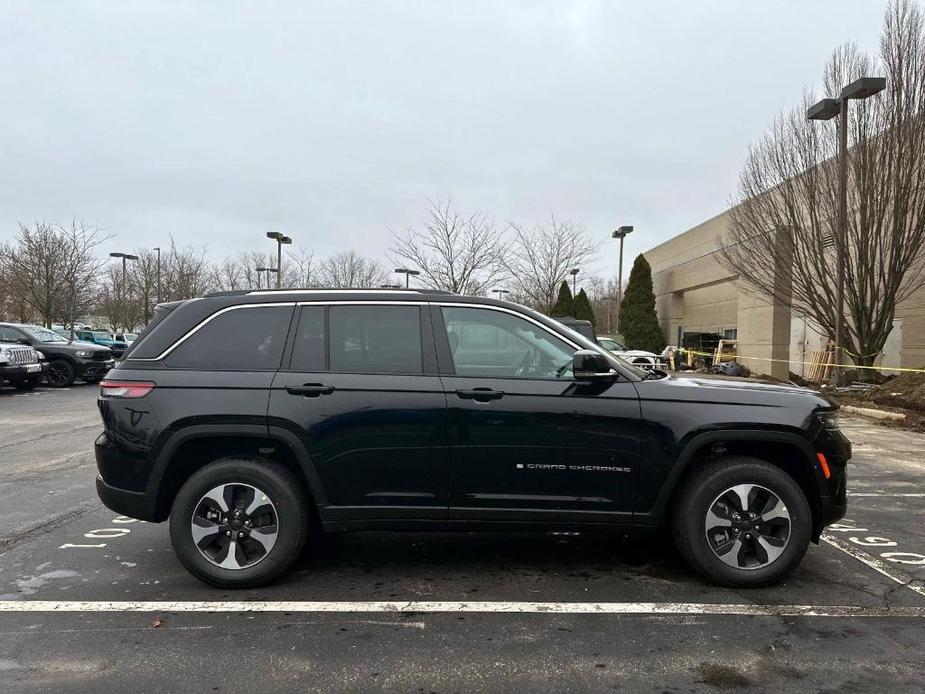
pixel 361 390
pixel 528 441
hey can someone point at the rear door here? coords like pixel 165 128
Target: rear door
pixel 360 389
pixel 528 442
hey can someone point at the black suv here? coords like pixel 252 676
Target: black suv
pixel 67 360
pixel 255 419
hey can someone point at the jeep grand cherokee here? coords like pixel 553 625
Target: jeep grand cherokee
pixel 254 420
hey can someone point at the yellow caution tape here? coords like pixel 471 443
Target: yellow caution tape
pixel 808 363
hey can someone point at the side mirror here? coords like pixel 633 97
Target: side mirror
pixel 588 365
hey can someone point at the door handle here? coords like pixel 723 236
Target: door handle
pixel 310 390
pixel 480 394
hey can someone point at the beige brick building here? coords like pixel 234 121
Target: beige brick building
pixel 694 293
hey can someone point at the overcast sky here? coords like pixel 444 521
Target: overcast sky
pixel 332 122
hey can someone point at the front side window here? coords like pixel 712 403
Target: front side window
pixel 243 339
pixel 488 343
pixel 375 339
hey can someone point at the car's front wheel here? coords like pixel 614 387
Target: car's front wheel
pixel 239 522
pixel 60 373
pixel 741 521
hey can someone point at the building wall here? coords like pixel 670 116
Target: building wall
pixel 695 292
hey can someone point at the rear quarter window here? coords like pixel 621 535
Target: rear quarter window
pixel 241 339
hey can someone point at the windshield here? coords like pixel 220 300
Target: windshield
pixel 100 335
pixel 43 334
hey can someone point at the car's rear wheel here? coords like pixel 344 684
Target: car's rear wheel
pixel 741 521
pixel 60 373
pixel 239 522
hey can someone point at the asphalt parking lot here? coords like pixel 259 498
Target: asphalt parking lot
pixel 93 602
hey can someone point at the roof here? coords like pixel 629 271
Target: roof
pixel 328 290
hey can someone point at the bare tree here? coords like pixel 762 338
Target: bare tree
pixel 782 234
pixel 300 269
pixel 349 269
pixel 53 269
pixel 185 274
pixel 454 252
pixel 142 288
pixel 541 257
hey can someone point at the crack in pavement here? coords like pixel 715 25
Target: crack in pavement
pixel 46 525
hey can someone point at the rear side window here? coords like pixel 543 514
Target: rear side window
pixel 243 339
pixel 376 339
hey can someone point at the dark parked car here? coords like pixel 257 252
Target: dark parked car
pixel 66 360
pixel 20 365
pixel 256 419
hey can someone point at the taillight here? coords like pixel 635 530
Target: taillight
pixel 125 389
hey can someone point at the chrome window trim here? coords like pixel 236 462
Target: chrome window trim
pixel 192 331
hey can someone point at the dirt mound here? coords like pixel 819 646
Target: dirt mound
pixel 906 391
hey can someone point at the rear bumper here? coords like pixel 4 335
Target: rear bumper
pixel 127 503
pixel 116 472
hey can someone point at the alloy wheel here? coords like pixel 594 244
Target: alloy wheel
pixel 748 526
pixel 235 525
pixel 58 374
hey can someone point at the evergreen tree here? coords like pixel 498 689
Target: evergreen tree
pixel 565 304
pixel 638 320
pixel 583 308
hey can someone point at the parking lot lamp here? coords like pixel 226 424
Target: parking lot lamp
pixel 826 109
pixel 280 240
pixel 158 249
pixel 125 257
pixel 407 273
pixel 501 292
pixel 574 273
pixel 267 270
pixel 620 233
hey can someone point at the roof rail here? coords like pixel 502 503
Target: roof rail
pixel 329 290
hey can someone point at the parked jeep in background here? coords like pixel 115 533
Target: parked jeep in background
pixel 255 419
pixel 66 360
pixel 21 365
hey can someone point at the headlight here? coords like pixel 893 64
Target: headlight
pixel 39 355
pixel 83 353
pixel 828 419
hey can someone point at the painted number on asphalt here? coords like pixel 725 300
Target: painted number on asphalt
pixel 102 534
pixel 911 558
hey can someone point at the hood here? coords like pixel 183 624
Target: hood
pixel 72 346
pixel 734 391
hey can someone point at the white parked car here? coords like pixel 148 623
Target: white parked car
pixel 636 357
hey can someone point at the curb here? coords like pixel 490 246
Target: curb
pixel 872 413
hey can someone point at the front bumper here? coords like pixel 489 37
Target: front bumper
pixel 20 370
pixel 93 370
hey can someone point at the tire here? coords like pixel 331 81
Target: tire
pixel 710 489
pixel 28 383
pixel 60 373
pixel 286 503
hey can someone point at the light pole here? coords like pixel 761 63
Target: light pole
pixel 267 270
pixel 574 273
pixel 501 292
pixel 124 256
pixel 280 240
pixel 620 234
pixel 407 273
pixel 826 109
pixel 158 274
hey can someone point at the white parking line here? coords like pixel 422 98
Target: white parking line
pixel 412 607
pixel 874 563
pixel 901 495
